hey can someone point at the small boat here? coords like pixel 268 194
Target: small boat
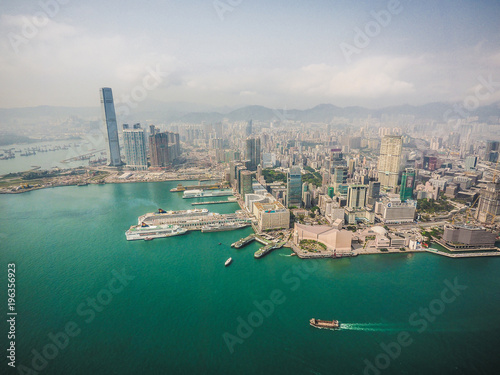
pixel 228 262
pixel 148 239
pixel 322 324
pixel 220 243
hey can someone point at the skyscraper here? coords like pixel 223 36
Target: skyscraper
pixel 389 161
pixel 252 152
pixel 294 187
pixel 407 184
pixel 248 128
pixel 109 118
pixel 373 192
pixel 135 147
pixel 470 162
pixel 356 196
pixel 158 147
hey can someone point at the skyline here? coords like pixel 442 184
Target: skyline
pixel 214 54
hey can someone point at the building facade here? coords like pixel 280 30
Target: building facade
pixel 134 142
pixel 389 161
pixel 294 187
pixel 109 118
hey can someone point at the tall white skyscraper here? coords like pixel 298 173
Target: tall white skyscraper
pixel 134 142
pixel 389 161
pixel 109 118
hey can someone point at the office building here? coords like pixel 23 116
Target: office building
pixel 470 163
pixel 491 153
pixel 393 211
pixel 294 187
pixel 373 192
pixel 407 184
pixel 245 182
pixel 249 128
pixel 356 196
pixel 134 142
pixel 389 161
pixel 109 118
pixel 252 153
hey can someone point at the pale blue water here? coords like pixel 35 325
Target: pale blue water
pixel 171 318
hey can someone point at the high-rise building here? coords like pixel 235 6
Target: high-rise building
pixel 248 128
pixel 158 147
pixel 491 153
pixel 109 118
pixel 470 162
pixel 407 184
pixel 356 196
pixel 389 161
pixel 294 187
pixel 135 147
pixel 252 153
pixel 373 192
pixel 245 185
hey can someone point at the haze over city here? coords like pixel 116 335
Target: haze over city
pixel 273 53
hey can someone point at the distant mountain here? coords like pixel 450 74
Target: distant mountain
pixel 163 113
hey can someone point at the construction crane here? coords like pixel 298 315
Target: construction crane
pixel 467 213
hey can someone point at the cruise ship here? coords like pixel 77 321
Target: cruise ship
pixel 222 227
pixel 162 214
pixel 206 193
pixel 148 232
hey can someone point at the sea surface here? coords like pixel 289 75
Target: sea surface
pixel 51 159
pixel 175 309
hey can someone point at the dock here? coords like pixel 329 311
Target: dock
pixel 210 202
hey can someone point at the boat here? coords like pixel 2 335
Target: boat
pixel 148 232
pixel 199 193
pixel 324 324
pixel 222 227
pixel 228 262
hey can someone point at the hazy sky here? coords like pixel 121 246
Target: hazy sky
pixel 277 53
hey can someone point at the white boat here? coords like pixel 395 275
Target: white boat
pixel 148 232
pixel 228 262
pixel 198 193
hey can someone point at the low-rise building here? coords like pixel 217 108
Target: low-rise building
pixel 393 211
pixel 334 239
pixel 467 237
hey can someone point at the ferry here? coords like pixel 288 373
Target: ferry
pixel 228 262
pixel 148 232
pixel 198 193
pixel 324 324
pixel 222 227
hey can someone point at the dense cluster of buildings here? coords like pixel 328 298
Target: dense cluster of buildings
pixel 346 175
pixel 163 147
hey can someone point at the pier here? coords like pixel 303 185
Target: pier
pixel 210 202
pixel 194 221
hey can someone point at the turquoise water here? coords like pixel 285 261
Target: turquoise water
pixel 172 316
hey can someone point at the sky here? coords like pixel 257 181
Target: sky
pixel 232 53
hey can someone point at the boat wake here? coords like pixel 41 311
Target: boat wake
pixel 370 327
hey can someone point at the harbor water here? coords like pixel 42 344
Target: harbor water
pixel 169 306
